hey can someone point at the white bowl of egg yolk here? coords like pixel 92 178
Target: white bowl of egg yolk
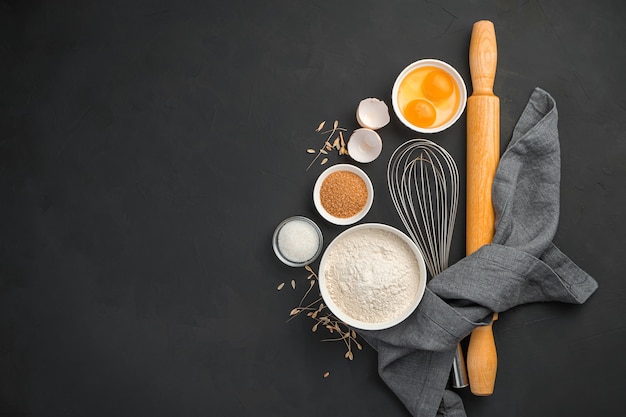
pixel 429 96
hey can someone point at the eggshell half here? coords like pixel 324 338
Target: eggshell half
pixel 364 145
pixel 372 113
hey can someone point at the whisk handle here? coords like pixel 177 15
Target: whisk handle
pixel 483 153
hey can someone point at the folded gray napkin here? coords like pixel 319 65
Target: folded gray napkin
pixel 520 266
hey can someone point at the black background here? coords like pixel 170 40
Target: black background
pixel 149 148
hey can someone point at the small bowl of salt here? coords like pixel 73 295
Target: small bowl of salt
pixel 297 241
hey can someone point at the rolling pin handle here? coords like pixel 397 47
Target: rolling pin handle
pixel 482 355
pixel 483 55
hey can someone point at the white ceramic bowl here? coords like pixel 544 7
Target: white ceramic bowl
pixel 343 221
pixel 450 71
pixel 344 316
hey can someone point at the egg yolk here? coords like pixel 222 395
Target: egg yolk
pixel 437 85
pixel 420 112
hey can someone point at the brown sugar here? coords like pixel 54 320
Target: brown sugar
pixel 343 194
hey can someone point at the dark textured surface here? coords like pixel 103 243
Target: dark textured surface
pixel 149 148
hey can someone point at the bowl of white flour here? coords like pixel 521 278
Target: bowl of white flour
pixel 372 276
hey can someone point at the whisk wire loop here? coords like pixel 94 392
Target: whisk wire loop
pixel 423 181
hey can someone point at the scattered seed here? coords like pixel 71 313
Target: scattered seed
pixel 324 161
pixel 321 315
pixel 280 286
pixel 338 144
pixel 326 374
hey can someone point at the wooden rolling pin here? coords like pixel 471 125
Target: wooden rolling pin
pixel 483 154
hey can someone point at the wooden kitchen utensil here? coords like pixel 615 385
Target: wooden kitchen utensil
pixel 483 154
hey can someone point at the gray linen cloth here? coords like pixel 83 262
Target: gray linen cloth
pixel 520 266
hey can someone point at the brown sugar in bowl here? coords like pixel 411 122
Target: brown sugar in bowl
pixel 343 194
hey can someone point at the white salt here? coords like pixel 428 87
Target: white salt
pixel 298 241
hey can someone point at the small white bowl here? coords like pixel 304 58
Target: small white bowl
pixel 442 66
pixel 343 221
pixel 364 145
pixel 345 317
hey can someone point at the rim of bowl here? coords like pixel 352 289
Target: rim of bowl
pixel 343 221
pixel 441 65
pixel 358 324
pixel 282 257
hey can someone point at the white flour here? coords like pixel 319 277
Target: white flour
pixel 371 274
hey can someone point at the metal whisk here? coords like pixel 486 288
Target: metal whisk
pixel 423 181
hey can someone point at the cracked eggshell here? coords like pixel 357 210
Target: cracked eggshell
pixel 364 145
pixel 372 113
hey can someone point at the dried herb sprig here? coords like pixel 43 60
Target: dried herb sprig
pixel 321 315
pixel 338 144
